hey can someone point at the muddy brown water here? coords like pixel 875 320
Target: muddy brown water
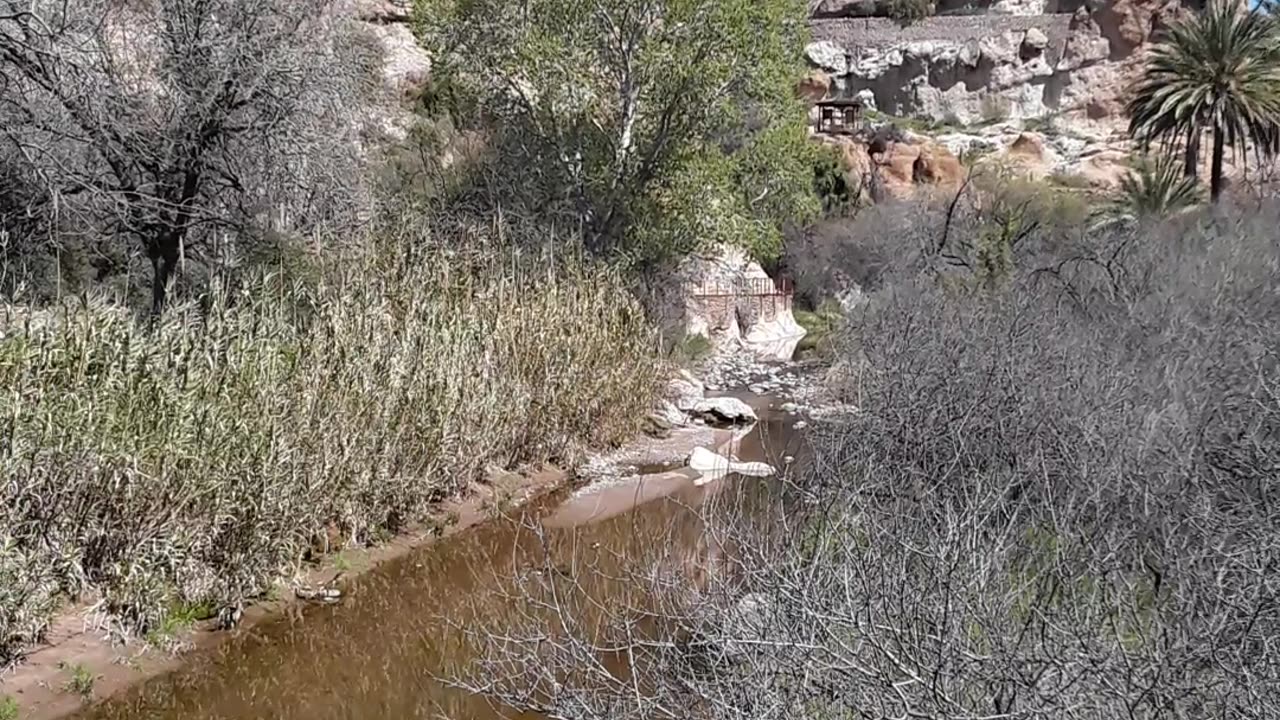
pixel 381 652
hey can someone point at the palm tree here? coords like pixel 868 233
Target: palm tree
pixel 1218 70
pixel 1154 188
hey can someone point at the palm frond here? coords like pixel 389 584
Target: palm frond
pixel 1219 69
pixel 1154 188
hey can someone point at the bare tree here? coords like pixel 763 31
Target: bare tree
pixel 175 122
pixel 1043 509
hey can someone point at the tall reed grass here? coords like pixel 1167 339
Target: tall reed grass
pixel 197 460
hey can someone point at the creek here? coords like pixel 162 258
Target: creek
pixel 382 652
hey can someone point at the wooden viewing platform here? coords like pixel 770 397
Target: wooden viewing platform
pixel 839 117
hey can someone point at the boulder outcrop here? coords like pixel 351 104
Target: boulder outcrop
pixel 897 168
pixel 1016 59
pixel 725 410
pixel 724 296
pixel 406 66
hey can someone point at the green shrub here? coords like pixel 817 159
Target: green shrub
pixel 925 124
pixel 1008 195
pixel 81 681
pixel 975 154
pixel 820 325
pixel 1045 124
pixel 209 454
pixel 180 617
pixel 907 12
pixel 830 182
pixel 1154 188
pixel 8 708
pixel 692 349
pixel 1071 181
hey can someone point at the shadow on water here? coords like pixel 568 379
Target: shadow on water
pixel 378 654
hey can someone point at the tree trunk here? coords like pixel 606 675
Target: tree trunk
pixel 1191 166
pixel 1219 149
pixel 166 245
pixel 164 258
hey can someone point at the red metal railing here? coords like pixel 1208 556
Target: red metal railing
pixel 778 293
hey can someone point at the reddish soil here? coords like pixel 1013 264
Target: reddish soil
pixel 40 685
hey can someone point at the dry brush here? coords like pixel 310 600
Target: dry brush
pixel 196 461
pixel 1057 501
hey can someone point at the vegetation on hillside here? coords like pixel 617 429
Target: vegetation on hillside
pixel 1054 500
pixel 1155 188
pixel 1216 70
pixel 235 337
pixel 239 332
pixel 235 334
pixel 195 462
pixel 140 136
pixel 653 126
pixel 908 12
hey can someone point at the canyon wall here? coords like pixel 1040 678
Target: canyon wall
pixel 1014 59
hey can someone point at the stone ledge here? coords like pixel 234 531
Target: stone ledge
pixel 872 33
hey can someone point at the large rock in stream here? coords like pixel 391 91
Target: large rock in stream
pixel 711 466
pixel 728 410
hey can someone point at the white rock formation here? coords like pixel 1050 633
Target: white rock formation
pixel 828 56
pixel 406 66
pixel 1020 7
pixel 775 338
pixel 725 409
pixel 711 466
pixel 725 297
pixel 1014 61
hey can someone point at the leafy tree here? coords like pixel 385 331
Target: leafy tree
pixel 1219 70
pixel 652 125
pixel 831 184
pixel 909 12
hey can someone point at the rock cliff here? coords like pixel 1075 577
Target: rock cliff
pixel 406 66
pixel 1012 59
pixel 1039 83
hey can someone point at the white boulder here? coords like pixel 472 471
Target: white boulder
pixel 725 409
pixel 828 56
pixel 711 466
pixel 1035 40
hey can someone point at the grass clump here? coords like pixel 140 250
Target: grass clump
pixel 81 681
pixel 995 109
pixel 909 12
pixel 692 349
pixel 1070 180
pixel 196 461
pixel 179 619
pixel 820 325
pixel 8 708
pixel 1044 124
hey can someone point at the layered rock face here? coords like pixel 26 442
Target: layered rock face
pixel 406 66
pixel 1012 59
pixel 723 295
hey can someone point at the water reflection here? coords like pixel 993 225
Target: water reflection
pixel 379 653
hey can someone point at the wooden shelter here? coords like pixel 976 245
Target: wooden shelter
pixel 839 117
